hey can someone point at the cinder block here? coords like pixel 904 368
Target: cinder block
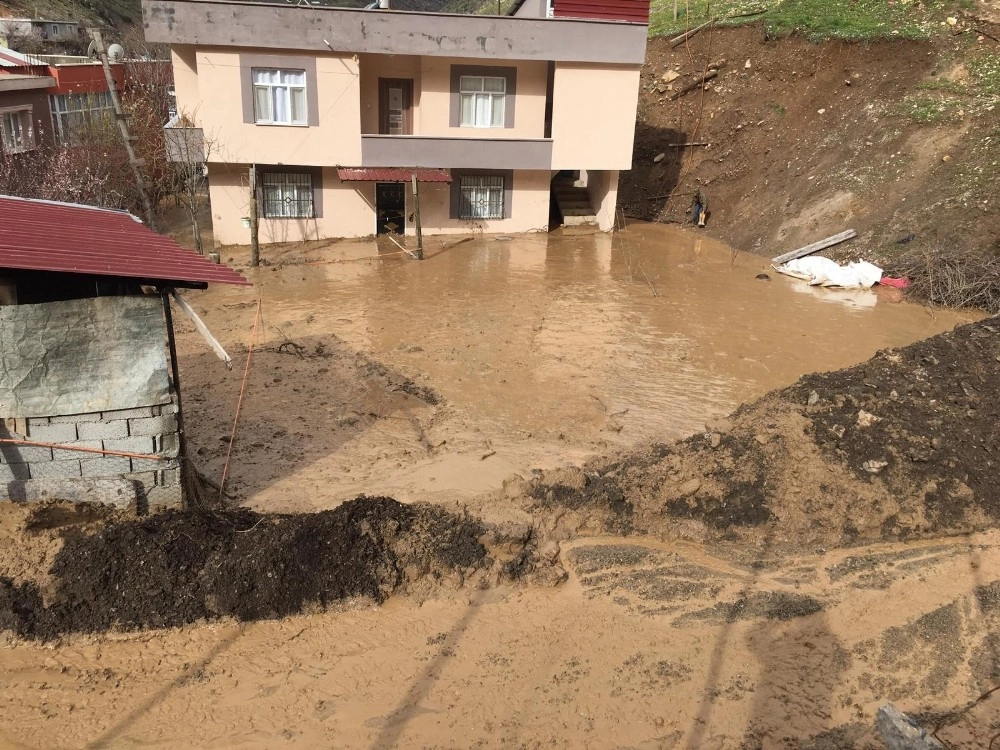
pixel 11 453
pixel 136 413
pixel 168 445
pixel 160 498
pixel 135 444
pixel 103 430
pixel 12 473
pixel 153 425
pixel 76 418
pixel 150 464
pixel 168 477
pixel 105 467
pixel 52 433
pixel 118 492
pixel 170 408
pixel 54 470
pixel 65 454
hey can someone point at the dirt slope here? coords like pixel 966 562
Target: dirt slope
pixel 896 139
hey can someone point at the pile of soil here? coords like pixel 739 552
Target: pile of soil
pixel 179 567
pixel 903 446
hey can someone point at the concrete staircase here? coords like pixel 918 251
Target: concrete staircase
pixel 574 203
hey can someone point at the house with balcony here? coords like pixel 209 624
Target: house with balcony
pixel 508 123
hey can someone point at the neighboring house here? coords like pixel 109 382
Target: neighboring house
pixel 339 107
pixel 89 401
pixel 78 93
pixel 24 112
pixel 14 29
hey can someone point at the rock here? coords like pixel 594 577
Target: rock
pixel 761 438
pixel 515 486
pixel 719 425
pixel 715 439
pixel 762 277
pixel 813 399
pixel 659 157
pixel 747 65
pixel 690 487
pixel 900 732
pixel 874 465
pixel 867 419
pixel 549 552
pixel 821 111
pixel 670 76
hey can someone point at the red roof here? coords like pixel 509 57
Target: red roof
pixel 51 236
pixel 634 11
pixel 392 175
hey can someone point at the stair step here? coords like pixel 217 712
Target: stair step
pixel 575 221
pixel 588 211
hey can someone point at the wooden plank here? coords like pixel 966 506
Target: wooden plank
pixel 202 328
pixel 688 34
pixel 815 247
pixel 701 81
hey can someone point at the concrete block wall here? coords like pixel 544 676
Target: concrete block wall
pixel 151 430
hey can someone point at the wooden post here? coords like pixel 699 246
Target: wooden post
pixel 675 11
pixel 416 217
pixel 815 247
pixel 254 244
pixel 134 162
pixel 189 487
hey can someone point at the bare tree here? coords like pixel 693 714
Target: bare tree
pixel 188 151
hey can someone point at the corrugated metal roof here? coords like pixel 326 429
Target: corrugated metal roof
pixel 635 11
pixel 66 237
pixel 392 175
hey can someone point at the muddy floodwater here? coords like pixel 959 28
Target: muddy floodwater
pixel 538 350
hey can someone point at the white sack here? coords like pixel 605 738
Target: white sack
pixel 820 271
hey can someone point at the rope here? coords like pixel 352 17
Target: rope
pixel 239 404
pixel 81 449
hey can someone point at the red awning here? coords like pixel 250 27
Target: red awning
pixel 393 174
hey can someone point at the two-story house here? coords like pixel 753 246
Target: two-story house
pixel 338 107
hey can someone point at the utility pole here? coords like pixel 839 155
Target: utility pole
pixel 135 162
pixel 254 244
pixel 416 217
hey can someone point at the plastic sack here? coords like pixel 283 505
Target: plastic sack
pixel 818 271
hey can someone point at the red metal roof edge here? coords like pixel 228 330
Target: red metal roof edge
pixel 392 174
pixel 105 242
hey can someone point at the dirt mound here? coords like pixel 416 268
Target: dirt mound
pixel 900 447
pixel 179 567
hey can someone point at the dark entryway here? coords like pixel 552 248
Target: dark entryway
pixel 390 207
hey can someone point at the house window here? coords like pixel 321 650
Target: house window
pixel 481 197
pixel 71 113
pixel 279 96
pixel 287 195
pixel 482 101
pixel 16 133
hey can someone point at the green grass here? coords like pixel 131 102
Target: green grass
pixel 928 110
pixel 855 20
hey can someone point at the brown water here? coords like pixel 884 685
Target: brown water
pixel 545 351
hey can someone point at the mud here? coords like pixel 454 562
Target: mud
pixel 899 447
pixel 179 567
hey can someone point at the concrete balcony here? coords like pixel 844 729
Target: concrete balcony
pixel 455 153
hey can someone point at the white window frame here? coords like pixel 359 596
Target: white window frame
pixel 72 111
pixel 287 195
pixel 482 101
pixel 288 92
pixel 481 197
pixel 17 129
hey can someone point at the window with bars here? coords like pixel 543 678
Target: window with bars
pixel 71 113
pixel 279 96
pixel 482 101
pixel 287 195
pixel 16 133
pixel 481 197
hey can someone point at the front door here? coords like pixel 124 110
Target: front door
pixel 395 98
pixel 390 207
